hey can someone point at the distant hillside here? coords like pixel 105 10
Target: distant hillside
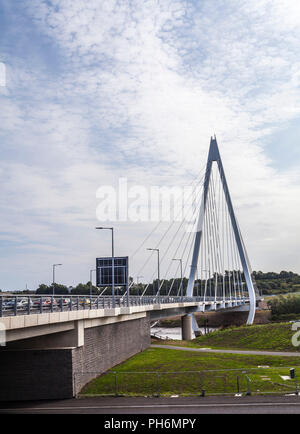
pixel 277 283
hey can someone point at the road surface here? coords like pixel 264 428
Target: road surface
pixel 170 406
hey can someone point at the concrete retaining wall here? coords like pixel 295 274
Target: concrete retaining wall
pixel 33 374
pixel 108 346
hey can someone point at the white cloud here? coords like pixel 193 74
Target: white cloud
pixel 143 87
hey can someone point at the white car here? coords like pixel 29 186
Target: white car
pixel 10 304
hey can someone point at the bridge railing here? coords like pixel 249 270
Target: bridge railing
pixel 31 304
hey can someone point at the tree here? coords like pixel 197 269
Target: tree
pixel 43 289
pixel 84 289
pixel 58 289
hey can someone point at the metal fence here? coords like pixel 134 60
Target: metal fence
pixel 26 305
pixel 242 382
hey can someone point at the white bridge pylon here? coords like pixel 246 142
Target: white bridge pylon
pixel 216 250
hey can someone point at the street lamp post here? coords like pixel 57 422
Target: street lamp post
pixel 137 282
pixel 157 250
pixel 53 269
pixel 181 286
pixel 112 263
pixel 205 285
pixel 91 284
pixel 137 279
pixel 229 284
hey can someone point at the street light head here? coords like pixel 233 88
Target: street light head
pixel 102 227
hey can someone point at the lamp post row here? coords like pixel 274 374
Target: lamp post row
pixel 181 276
pixel 112 262
pixel 53 270
pixel 113 268
pixel 158 277
pixel 91 271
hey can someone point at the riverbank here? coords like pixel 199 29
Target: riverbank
pixel 266 337
pixel 221 319
pixel 174 333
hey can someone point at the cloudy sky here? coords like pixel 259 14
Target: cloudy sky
pixel 100 90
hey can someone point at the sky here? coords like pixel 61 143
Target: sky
pixel 100 90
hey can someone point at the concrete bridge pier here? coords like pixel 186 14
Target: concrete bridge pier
pixel 58 365
pixel 186 327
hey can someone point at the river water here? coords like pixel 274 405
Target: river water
pixel 173 332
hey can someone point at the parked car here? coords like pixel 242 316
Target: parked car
pixel 66 301
pixel 46 302
pixel 85 301
pixel 8 304
pixel 21 303
pixel 24 302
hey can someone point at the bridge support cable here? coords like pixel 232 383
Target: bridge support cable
pixel 190 235
pixel 182 254
pixel 164 255
pixel 188 215
pixel 103 291
pixel 218 240
pixel 195 185
pixel 217 245
pixel 185 220
pixel 196 182
pixel 186 244
pixel 239 276
pixel 249 265
pixel 216 224
pixel 204 262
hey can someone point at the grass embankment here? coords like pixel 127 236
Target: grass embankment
pixel 168 372
pixel 266 337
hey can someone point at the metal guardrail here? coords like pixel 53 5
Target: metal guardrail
pixel 26 305
pixel 238 382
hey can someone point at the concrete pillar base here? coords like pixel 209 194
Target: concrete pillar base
pixel 35 371
pixel 186 327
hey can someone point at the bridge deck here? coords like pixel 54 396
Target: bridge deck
pixel 55 317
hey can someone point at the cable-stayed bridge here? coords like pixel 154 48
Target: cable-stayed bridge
pixel 55 337
pixel 211 251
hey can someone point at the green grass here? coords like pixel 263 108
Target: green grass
pixel 168 372
pixel 268 337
